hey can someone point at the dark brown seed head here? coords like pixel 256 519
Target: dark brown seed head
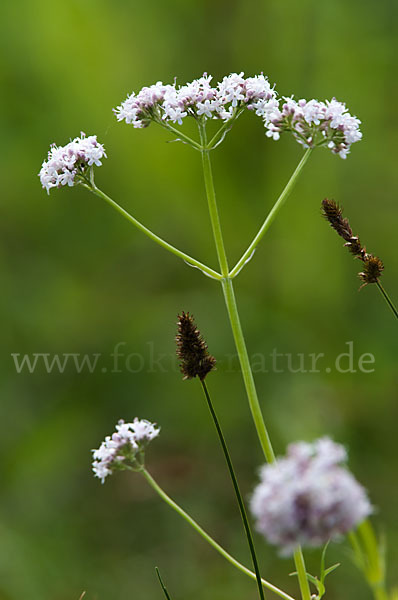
pixel 372 270
pixel 333 213
pixel 373 266
pixel 192 349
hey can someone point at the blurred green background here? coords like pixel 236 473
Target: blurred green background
pixel 76 278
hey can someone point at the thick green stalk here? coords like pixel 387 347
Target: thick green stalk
pixel 208 538
pixel 302 575
pixel 271 216
pixel 236 489
pixel 255 408
pixel 233 314
pixel 153 236
pixel 232 309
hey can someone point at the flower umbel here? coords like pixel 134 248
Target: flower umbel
pixel 125 448
pixel 67 165
pixel 314 123
pixel 192 349
pixel 308 497
pixel 171 103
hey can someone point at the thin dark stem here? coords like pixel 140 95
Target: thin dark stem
pixel 166 593
pixel 387 299
pixel 237 491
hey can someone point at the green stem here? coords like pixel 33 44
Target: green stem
pixel 302 575
pixel 233 314
pixel 223 129
pixel 236 488
pixel 387 299
pixel 166 593
pixel 208 538
pixel 271 216
pixel 181 135
pixel 230 301
pixel 153 236
pixel 211 199
pixel 368 558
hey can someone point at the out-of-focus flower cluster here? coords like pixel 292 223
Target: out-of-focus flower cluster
pixel 316 123
pixel 120 450
pixel 312 123
pixel 308 497
pixel 66 163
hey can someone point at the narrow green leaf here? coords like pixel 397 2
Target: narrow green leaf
pixel 332 568
pixel 323 558
pixel 313 580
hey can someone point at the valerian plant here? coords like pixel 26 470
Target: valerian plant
pixel 307 497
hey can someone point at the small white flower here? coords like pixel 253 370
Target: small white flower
pixel 65 163
pixel 232 89
pixel 308 497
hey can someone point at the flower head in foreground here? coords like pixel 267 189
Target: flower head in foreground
pixel 124 448
pixel 192 350
pixel 67 164
pixel 308 497
pixel 373 266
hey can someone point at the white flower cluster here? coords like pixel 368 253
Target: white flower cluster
pixel 66 163
pixel 308 497
pixel 171 103
pixel 316 123
pixel 312 123
pixel 121 447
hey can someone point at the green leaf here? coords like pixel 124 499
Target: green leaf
pixel 332 568
pixel 323 558
pixel 314 580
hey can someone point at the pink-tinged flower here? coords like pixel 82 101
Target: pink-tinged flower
pixel 315 123
pixel 67 164
pixel 122 449
pixel 308 497
pixel 198 98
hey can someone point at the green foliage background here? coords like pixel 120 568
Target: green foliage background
pixel 77 278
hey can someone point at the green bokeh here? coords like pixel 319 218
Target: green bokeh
pixel 77 278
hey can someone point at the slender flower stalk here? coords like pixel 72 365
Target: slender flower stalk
pixel 155 486
pixel 387 299
pixel 162 585
pixel 182 137
pixel 236 489
pixel 196 361
pixel 192 261
pixel 232 309
pixel 212 203
pixel 272 215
